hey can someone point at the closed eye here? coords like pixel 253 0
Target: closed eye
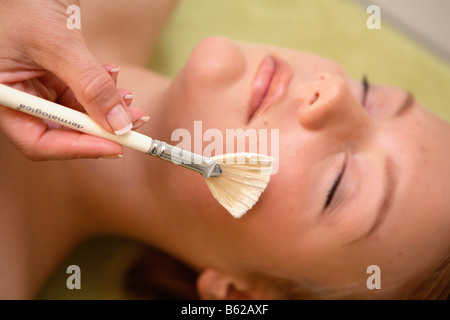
pixel 335 186
pixel 366 86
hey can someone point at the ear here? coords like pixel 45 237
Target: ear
pixel 214 285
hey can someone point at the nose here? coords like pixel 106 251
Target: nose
pixel 329 105
pixel 215 61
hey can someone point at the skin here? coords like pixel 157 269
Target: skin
pixel 39 54
pixel 326 247
pixel 294 238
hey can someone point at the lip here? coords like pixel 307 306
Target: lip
pixel 269 85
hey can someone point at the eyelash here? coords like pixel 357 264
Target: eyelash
pixel 366 85
pixel 334 187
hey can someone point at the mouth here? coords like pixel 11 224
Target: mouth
pixel 269 85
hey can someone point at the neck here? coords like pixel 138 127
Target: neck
pixel 146 198
pixel 39 222
pixel 142 197
pixel 51 207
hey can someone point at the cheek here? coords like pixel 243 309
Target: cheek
pixel 307 65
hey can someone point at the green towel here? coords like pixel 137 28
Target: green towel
pixel 333 28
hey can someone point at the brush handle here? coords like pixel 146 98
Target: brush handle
pixel 38 107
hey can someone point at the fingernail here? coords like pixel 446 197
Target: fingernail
pixel 144 118
pixel 113 156
pixel 140 122
pixel 119 120
pixel 116 69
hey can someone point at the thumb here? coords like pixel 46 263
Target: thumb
pixel 95 90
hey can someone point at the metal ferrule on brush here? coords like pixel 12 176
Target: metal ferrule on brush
pixel 204 165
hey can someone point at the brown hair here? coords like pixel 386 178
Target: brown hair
pixel 156 275
pixel 432 285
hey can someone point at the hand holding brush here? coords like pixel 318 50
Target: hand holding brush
pixel 235 180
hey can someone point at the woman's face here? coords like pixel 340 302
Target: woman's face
pixel 361 176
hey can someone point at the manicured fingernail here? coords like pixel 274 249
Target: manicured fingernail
pixel 144 118
pixel 116 69
pixel 140 122
pixel 119 120
pixel 113 156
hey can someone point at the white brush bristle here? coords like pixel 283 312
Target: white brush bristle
pixel 244 177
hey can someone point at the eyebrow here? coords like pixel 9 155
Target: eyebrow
pixel 390 185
